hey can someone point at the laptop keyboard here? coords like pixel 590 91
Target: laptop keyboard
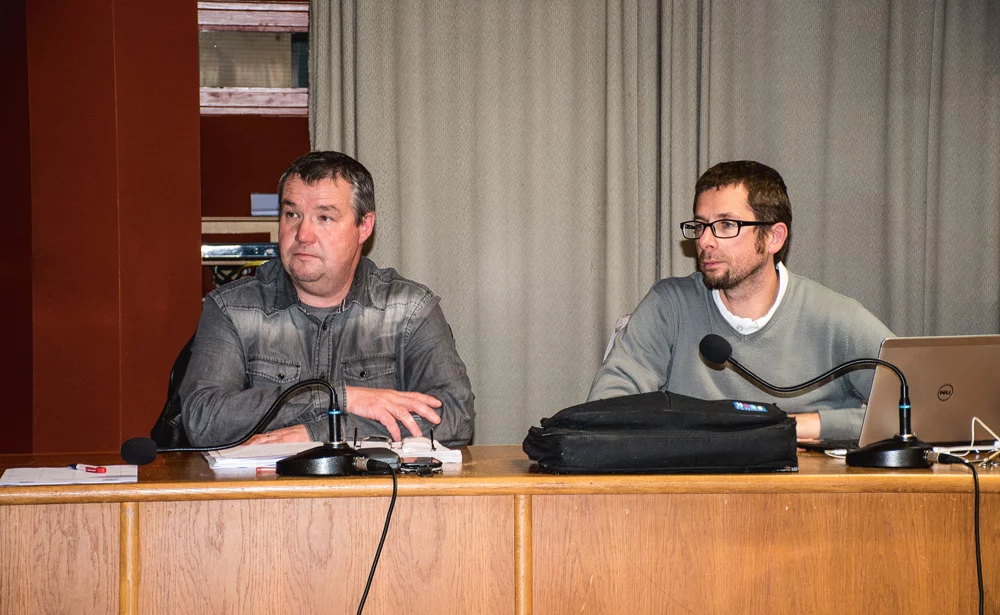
pixel 829 445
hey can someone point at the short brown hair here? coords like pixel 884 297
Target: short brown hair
pixel 316 166
pixel 766 193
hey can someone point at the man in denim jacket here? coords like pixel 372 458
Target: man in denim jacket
pixel 325 311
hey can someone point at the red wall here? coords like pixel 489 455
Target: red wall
pixel 15 274
pixel 245 154
pixel 102 163
pixel 115 212
pixel 159 198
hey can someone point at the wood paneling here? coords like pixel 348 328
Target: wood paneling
pixel 159 240
pixel 485 470
pixel 754 553
pixel 494 537
pixel 59 559
pixel 115 213
pixel 128 559
pixel 312 556
pixel 74 225
pixel 15 275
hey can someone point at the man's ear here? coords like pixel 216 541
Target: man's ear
pixel 367 226
pixel 776 237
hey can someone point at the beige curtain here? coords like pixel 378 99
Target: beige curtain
pixel 884 119
pixel 532 159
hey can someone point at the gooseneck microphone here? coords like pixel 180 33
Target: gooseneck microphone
pixel 903 450
pixel 140 451
pixel 333 458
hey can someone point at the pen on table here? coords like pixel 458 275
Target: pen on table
pixel 85 468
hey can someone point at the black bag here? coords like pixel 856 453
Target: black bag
pixel 664 432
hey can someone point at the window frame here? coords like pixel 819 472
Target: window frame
pixel 254 17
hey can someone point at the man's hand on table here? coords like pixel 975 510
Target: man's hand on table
pixel 295 433
pixel 392 408
pixel 807 426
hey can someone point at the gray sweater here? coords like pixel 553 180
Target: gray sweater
pixel 812 330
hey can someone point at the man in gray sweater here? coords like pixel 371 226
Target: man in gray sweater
pixel 784 327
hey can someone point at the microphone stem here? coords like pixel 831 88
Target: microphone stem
pixel 904 389
pixel 333 417
pixel 904 412
pixel 333 413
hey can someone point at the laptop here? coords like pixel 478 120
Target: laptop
pixel 951 378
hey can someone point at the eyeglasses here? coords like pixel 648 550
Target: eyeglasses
pixel 723 229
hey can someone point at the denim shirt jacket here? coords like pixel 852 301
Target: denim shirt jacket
pixel 255 339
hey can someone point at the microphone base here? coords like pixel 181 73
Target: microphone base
pixel 328 459
pixel 894 452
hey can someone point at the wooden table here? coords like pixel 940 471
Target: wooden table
pixel 494 537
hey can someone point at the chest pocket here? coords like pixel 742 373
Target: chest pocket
pixel 374 372
pixel 264 371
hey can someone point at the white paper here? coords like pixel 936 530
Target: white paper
pixel 404 449
pixel 23 477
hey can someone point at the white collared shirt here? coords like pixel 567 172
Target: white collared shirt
pixel 746 326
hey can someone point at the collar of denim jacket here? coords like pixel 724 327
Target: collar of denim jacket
pixel 284 295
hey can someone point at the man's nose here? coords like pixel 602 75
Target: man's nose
pixel 707 239
pixel 305 232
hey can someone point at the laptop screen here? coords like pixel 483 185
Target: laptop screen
pixel 951 379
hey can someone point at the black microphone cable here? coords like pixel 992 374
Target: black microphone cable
pixel 140 451
pixel 379 467
pixel 269 415
pixel 935 457
pixel 717 350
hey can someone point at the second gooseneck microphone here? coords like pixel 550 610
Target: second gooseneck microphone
pixel 904 450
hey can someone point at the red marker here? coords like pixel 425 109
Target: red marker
pixel 85 468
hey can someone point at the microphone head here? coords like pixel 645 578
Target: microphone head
pixel 138 451
pixel 715 349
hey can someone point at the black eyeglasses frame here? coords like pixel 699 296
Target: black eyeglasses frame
pixel 697 224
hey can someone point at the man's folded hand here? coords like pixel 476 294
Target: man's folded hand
pixel 392 408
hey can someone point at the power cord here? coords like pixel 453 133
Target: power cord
pixel 379 467
pixel 953 455
pixel 936 457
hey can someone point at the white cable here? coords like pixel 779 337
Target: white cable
pixel 996 438
pixel 962 451
pixel 958 451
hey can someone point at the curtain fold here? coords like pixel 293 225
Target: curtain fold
pixel 532 160
pixel 332 91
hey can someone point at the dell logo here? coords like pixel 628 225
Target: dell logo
pixel 945 392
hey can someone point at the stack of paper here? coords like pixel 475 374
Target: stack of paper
pixel 266 455
pixel 23 477
pixel 255 455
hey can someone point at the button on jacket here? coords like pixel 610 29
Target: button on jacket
pixel 256 339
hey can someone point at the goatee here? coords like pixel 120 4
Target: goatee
pixel 729 279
